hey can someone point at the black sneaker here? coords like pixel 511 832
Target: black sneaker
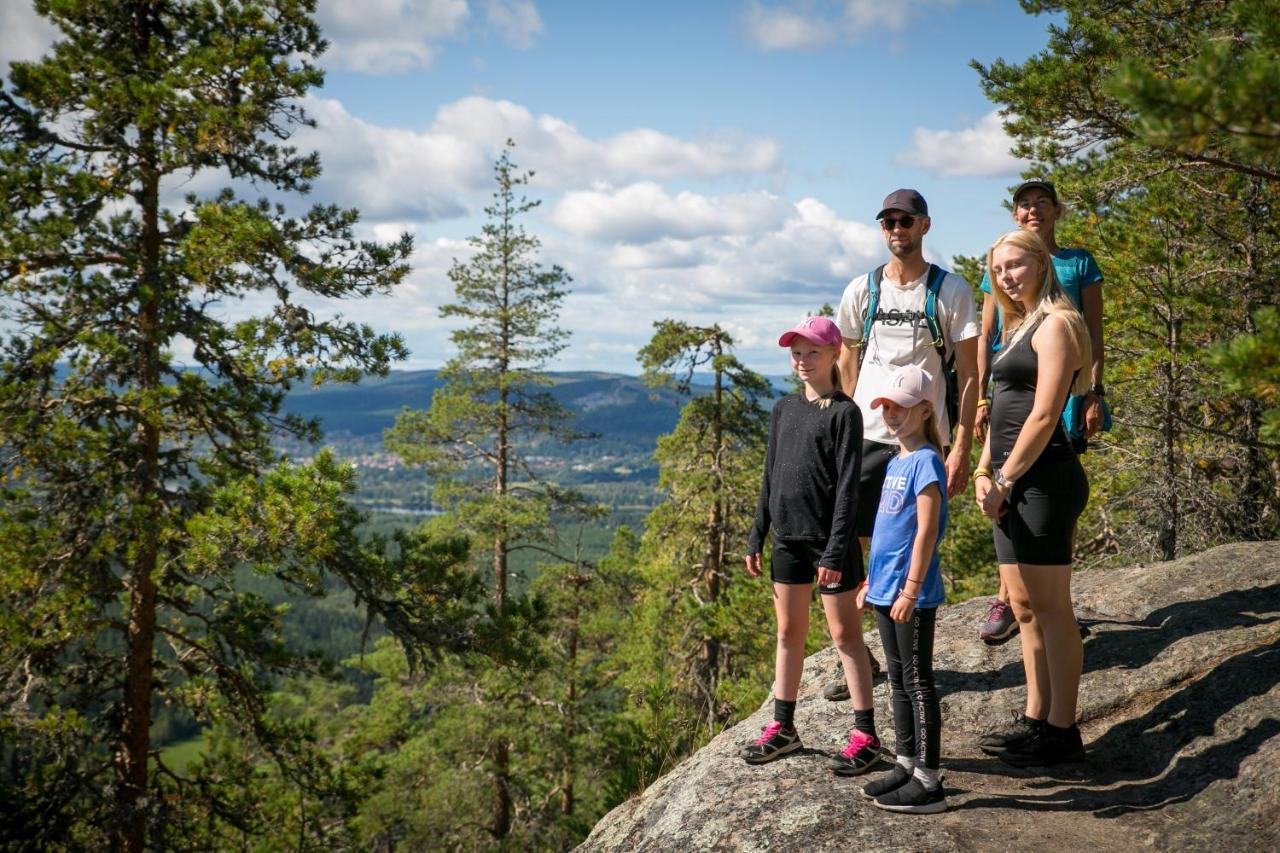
pixel 889 782
pixel 838 691
pixel 1023 727
pixel 774 742
pixel 1051 745
pixel 913 798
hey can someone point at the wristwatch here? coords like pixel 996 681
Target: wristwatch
pixel 1097 390
pixel 1002 482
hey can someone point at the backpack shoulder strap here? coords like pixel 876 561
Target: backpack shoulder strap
pixel 873 305
pixel 934 285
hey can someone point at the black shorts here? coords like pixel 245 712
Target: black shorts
pixel 1040 524
pixel 796 561
pixel 875 461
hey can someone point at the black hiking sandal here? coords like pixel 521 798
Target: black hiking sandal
pixel 891 781
pixel 1047 747
pixel 774 742
pixel 1023 727
pixel 913 798
pixel 838 691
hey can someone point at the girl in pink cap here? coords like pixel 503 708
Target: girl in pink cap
pixel 904 585
pixel 808 502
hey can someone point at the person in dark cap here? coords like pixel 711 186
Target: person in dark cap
pixel 888 318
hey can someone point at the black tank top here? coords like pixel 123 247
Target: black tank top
pixel 1015 373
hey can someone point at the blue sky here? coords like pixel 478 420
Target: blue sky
pixel 712 161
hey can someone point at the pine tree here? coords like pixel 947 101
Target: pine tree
pixel 136 483
pixel 1147 116
pixel 491 410
pixel 694 660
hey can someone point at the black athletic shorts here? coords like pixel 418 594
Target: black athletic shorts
pixel 796 561
pixel 1040 524
pixel 875 461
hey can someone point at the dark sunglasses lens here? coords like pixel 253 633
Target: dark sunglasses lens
pixel 905 221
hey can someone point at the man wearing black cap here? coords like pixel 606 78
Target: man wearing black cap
pixel 897 333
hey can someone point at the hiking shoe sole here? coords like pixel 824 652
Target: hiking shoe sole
pixel 1002 638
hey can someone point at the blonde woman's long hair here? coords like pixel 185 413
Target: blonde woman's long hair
pixel 1050 299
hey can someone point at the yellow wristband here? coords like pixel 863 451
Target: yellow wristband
pixel 982 472
pixel 982 403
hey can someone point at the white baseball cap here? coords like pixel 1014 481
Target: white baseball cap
pixel 907 386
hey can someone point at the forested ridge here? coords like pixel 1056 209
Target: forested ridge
pixel 181 553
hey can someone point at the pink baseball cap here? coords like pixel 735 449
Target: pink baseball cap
pixel 906 386
pixel 820 330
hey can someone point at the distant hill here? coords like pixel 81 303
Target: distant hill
pixel 621 409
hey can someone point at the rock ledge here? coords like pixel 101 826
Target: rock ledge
pixel 1180 709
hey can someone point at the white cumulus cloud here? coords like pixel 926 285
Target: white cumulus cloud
pixel 25 35
pixel 643 212
pixel 979 151
pixel 802 24
pixel 388 36
pixel 563 157
pixel 444 169
pixel 516 21
pixel 783 28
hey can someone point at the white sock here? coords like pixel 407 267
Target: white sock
pixel 906 762
pixel 928 778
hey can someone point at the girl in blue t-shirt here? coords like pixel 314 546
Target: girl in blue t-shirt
pixel 905 586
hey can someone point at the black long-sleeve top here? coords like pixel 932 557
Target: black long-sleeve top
pixel 811 471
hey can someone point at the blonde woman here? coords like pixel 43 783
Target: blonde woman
pixel 1032 486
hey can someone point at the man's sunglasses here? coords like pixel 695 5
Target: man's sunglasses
pixel 889 222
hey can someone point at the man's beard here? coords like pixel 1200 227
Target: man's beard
pixel 902 249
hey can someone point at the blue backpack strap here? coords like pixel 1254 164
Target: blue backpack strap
pixel 873 305
pixel 932 288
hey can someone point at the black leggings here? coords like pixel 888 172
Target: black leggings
pixel 908 655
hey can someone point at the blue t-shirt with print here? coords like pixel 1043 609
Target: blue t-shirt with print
pixel 895 531
pixel 1076 270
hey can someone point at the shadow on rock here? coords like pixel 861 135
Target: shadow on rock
pixel 1134 644
pixel 1138 766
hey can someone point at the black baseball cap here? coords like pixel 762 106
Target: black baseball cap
pixel 908 201
pixel 1036 184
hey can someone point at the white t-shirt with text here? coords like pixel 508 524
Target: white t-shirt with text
pixel 900 336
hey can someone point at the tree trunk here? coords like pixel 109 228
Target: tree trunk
pixel 1253 490
pixel 571 717
pixel 1168 538
pixel 140 582
pixel 502 779
pixel 502 750
pixel 712 558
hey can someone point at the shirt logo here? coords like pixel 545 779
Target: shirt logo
pixel 895 317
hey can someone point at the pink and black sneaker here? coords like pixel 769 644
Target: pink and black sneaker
pixel 774 742
pixel 862 753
